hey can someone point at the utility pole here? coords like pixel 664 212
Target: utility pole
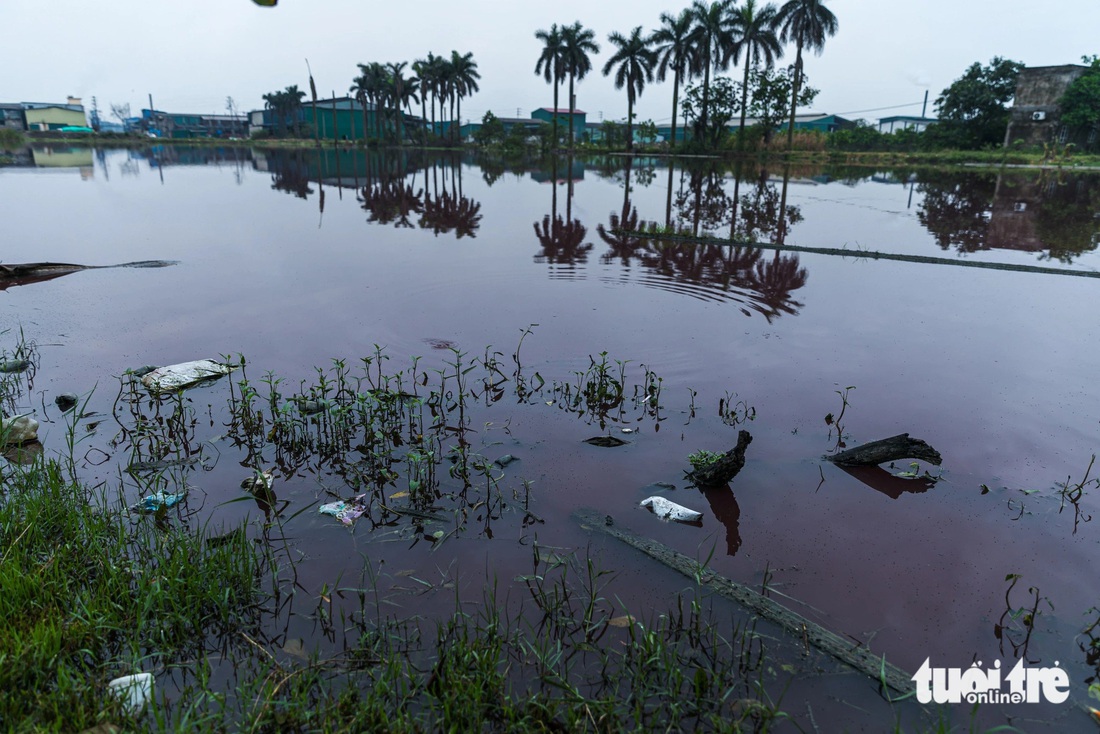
pixel 924 108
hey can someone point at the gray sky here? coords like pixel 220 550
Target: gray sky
pixel 190 55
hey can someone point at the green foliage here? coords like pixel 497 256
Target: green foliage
pixel 491 132
pixel 647 132
pixel 973 111
pixel 613 134
pixel 702 459
pixel 770 97
pixel 864 137
pixel 1081 102
pixel 769 100
pixel 515 141
pixel 11 139
pixel 723 102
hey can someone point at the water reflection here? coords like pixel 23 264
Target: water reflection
pixel 737 272
pixel 1053 214
pixel 448 209
pixel 562 240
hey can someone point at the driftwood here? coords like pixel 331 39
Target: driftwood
pixel 855 655
pixel 888 449
pixel 27 273
pixel 725 468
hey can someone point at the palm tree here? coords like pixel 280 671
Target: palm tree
pixel 672 42
pixel 577 42
pixel 275 101
pixel 465 78
pixel 370 86
pixel 753 33
pixel 635 61
pixel 294 97
pixel 551 65
pixel 712 39
pixel 445 90
pixel 422 68
pixel 397 92
pixel 807 23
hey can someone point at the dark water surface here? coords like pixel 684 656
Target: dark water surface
pixel 292 260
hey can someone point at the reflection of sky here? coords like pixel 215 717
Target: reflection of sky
pixel 992 368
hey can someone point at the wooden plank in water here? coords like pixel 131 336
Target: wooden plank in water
pixel 856 656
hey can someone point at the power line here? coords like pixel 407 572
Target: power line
pixel 879 109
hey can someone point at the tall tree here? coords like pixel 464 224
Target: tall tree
pixel 808 23
pixel 1081 102
pixel 465 78
pixel 422 69
pixel 754 35
pixel 675 52
pixel 712 37
pixel 369 88
pixel 973 111
pixel 577 43
pixel 551 65
pixel 633 63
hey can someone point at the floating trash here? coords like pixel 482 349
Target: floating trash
pixel 157 500
pixel 347 511
pixel 186 374
pixel 18 429
pixel 133 690
pixel 15 365
pixel 258 483
pixel 669 510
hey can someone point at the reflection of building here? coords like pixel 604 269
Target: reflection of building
pixel 1035 114
pixel 574 171
pixel 1037 214
pixel 64 157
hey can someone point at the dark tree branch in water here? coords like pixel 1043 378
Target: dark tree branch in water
pixel 724 469
pixel 888 449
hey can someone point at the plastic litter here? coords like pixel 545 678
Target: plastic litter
pixel 157 500
pixel 133 690
pixel 669 510
pixel 186 374
pixel 258 483
pixel 18 430
pixel 15 365
pixel 346 511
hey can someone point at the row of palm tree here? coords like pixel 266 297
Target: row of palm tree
pixel 284 106
pixel 442 80
pixel 704 38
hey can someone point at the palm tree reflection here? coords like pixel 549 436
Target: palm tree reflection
pixel 562 240
pixel 743 274
pixel 447 209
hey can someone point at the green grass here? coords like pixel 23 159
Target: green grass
pixel 87 597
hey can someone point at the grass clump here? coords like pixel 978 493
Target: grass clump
pixel 86 597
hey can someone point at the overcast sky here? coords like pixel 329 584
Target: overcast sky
pixel 192 54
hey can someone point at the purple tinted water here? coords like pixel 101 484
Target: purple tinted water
pixel 996 369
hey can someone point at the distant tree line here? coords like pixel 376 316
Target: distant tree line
pixel 387 89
